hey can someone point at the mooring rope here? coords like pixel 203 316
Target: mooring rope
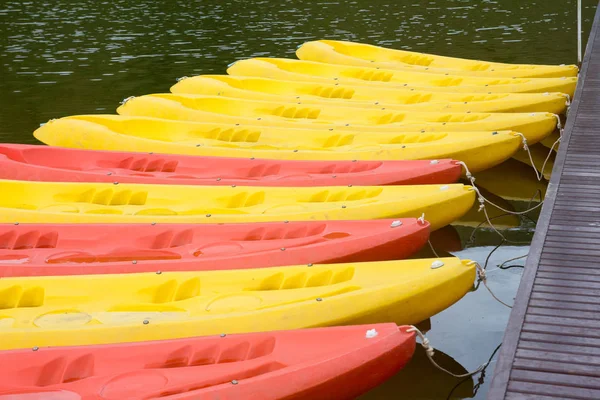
pixel 432 249
pixel 481 378
pixel 483 279
pixel 429 351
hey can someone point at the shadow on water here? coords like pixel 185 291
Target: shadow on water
pixel 60 58
pixel 420 380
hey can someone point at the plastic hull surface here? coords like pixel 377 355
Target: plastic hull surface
pixel 40 249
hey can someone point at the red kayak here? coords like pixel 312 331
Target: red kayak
pixel 325 363
pixel 55 164
pixel 76 249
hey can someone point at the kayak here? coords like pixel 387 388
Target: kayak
pixel 76 310
pixel 43 163
pixel 359 54
pixel 323 363
pixel 298 70
pixel 478 150
pixel 51 202
pixel 363 96
pixel 51 249
pixel 187 107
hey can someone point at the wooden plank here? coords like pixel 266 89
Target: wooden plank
pixel 588 271
pixel 561 312
pixel 537 344
pixel 526 396
pixel 553 375
pixel 565 297
pixel 559 340
pixel 561 392
pixel 562 305
pixel 575 331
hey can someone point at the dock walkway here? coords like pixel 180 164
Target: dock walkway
pixel 551 348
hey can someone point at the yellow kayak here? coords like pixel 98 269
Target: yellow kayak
pixel 359 54
pixel 79 310
pixel 535 126
pixel 297 70
pixel 362 96
pixel 479 150
pixel 52 202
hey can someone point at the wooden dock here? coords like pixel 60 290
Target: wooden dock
pixel 551 348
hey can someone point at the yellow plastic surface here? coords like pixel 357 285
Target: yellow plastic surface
pixel 50 202
pixel 79 310
pixel 535 126
pixel 363 96
pixel 349 53
pixel 288 69
pixel 479 150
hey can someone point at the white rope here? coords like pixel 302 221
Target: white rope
pixel 559 123
pixel 483 278
pixel 430 352
pixel 432 249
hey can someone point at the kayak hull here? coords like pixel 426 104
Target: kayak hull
pixel 41 249
pixel 359 54
pixel 534 126
pixel 53 164
pixel 66 202
pixel 75 310
pixel 479 150
pixel 323 363
pixel 288 69
pixel 361 96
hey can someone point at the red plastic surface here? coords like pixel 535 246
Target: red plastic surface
pixel 325 363
pixel 74 249
pixel 44 163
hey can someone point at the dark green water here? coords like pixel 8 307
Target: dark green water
pixel 62 57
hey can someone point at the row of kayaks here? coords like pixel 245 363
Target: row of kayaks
pixel 210 242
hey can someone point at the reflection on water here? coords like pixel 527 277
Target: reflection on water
pixel 420 380
pixel 61 57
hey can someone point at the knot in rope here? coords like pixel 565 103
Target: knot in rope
pixel 424 341
pixel 483 278
pixel 421 219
